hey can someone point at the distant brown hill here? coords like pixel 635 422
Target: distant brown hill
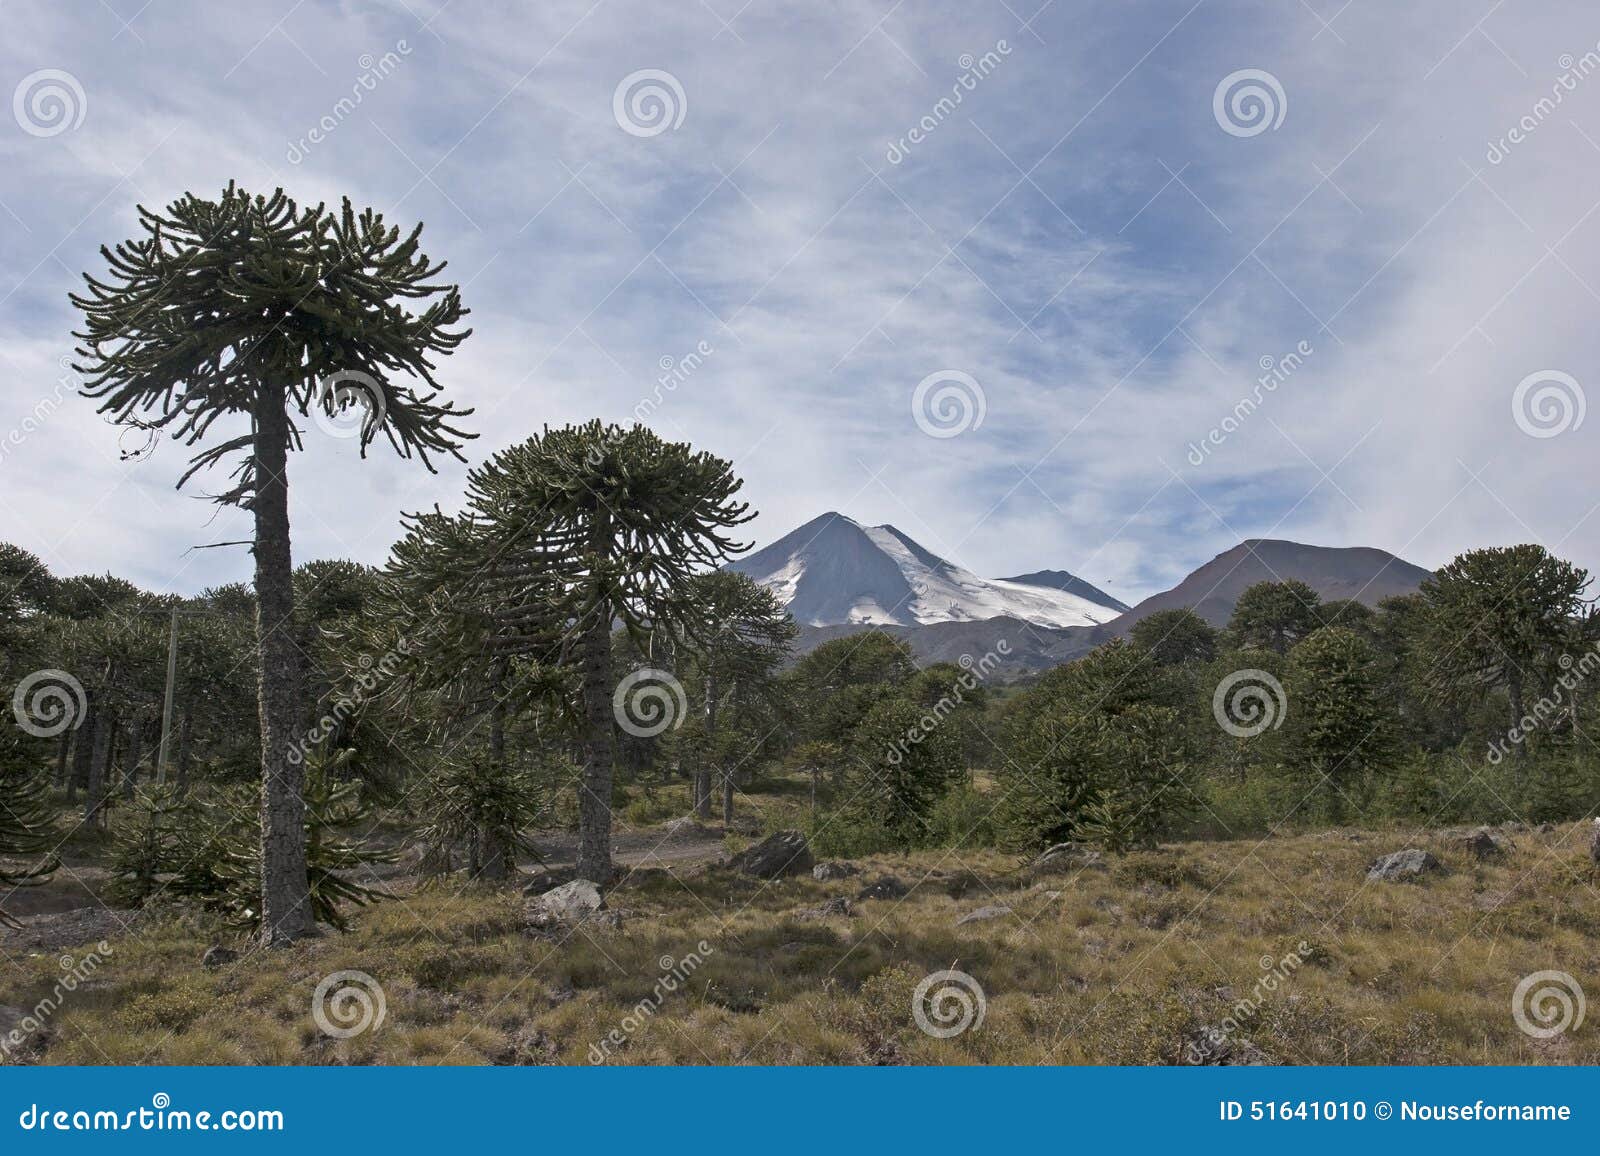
pixel 1334 572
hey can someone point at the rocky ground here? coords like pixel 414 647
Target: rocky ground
pixel 1334 947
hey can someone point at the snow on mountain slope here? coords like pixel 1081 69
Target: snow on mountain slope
pixel 834 571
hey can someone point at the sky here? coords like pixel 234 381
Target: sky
pixel 1105 288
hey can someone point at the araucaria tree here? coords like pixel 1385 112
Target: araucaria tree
pixel 1501 617
pixel 246 309
pixel 608 524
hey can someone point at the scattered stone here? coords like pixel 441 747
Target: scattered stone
pixel 217 956
pixel 543 879
pixel 1065 859
pixel 884 887
pixel 991 911
pixel 1547 828
pixel 1486 844
pixel 1407 864
pixel 1211 1047
pixel 561 995
pixel 687 827
pixel 783 853
pixel 571 904
pixel 530 1046
pixel 838 905
pixel 824 872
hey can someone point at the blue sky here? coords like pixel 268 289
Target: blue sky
pixel 1081 236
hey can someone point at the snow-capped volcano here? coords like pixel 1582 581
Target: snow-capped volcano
pixel 833 571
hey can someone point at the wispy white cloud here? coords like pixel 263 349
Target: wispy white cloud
pixel 1078 234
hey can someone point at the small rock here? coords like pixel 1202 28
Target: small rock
pixel 992 911
pixel 1407 864
pixel 884 887
pixel 687 827
pixel 823 872
pixel 1065 859
pixel 1212 1047
pixel 217 956
pixel 779 854
pixel 571 903
pixel 1485 844
pixel 838 905
pixel 543 879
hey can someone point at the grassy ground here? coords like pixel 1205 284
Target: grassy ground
pixel 1122 963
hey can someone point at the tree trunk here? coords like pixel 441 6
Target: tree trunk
pixel 182 760
pixel 492 853
pixel 285 895
pixel 104 724
pixel 727 796
pixel 594 796
pixel 66 744
pixel 82 752
pixel 130 767
pixel 702 773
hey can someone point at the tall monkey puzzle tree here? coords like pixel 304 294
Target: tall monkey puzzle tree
pixel 248 308
pixel 610 523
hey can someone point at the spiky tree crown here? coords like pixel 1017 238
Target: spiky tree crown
pixel 220 299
